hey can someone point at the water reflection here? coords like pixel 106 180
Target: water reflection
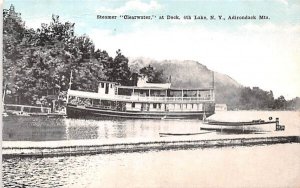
pixel 44 129
pixel 33 129
pixel 80 129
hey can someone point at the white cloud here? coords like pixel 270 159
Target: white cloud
pixel 134 5
pixel 267 56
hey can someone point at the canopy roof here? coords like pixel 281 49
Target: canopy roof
pixel 170 89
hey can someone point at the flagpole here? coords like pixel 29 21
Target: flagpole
pixel 213 85
pixel 70 83
pixel 71 76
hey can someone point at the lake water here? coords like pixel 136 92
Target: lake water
pixel 257 166
pixel 45 129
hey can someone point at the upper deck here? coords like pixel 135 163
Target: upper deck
pixel 156 93
pixel 137 98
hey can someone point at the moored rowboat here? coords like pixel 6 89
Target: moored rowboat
pixel 243 126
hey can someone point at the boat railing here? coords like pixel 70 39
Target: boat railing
pixel 161 99
pixel 26 108
pixel 139 98
pixel 173 98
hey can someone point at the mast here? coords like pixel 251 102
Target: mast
pixel 213 85
pixel 213 79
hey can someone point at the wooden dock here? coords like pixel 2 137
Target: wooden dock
pixel 26 110
pixel 81 147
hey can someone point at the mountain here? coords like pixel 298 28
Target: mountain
pixel 192 74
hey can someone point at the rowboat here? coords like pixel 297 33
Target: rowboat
pixel 243 126
pixel 183 134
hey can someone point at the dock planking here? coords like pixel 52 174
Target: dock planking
pixel 43 149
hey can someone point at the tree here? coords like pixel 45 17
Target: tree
pixel 118 70
pixel 154 76
pixel 39 63
pixel 255 98
pixel 280 103
pixel 294 104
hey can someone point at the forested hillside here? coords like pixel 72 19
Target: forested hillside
pixel 192 74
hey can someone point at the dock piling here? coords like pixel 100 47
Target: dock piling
pixel 278 126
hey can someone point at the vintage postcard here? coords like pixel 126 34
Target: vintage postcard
pixel 150 93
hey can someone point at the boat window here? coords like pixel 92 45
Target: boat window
pixel 95 102
pixel 154 105
pixel 133 105
pixel 159 106
pixel 106 88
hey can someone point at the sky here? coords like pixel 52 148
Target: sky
pixel 258 52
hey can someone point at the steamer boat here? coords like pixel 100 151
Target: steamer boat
pixel 144 101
